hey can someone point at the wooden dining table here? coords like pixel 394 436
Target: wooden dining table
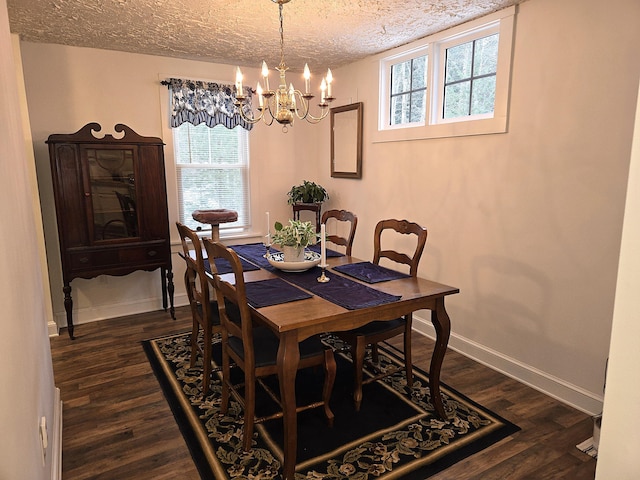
pixel 295 321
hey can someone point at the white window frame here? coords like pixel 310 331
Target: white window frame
pixel 435 126
pixel 385 83
pixel 243 167
pixel 437 111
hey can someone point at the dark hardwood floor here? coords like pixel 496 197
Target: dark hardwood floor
pixel 117 424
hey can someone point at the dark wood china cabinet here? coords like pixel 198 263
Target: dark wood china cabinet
pixel 111 207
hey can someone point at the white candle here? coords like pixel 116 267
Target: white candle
pixel 268 225
pixel 329 80
pixel 323 247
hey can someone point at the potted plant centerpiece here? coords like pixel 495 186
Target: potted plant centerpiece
pixel 293 238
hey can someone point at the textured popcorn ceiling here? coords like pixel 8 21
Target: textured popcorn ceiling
pixel 321 32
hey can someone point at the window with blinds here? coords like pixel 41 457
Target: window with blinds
pixel 213 172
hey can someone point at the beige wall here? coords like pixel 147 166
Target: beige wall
pixel 27 385
pixel 527 224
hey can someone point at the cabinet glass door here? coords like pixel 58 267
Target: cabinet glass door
pixel 113 193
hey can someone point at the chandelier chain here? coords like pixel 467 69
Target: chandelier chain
pixel 281 36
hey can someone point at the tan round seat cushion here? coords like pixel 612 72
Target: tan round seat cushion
pixel 215 217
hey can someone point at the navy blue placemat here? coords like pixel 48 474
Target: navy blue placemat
pixel 370 272
pixel 330 253
pixel 272 292
pixel 223 266
pixel 254 252
pixel 339 290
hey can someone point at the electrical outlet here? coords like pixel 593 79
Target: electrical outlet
pixel 44 438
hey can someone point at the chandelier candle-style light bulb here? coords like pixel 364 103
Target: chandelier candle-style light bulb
pixel 238 80
pixel 265 75
pixel 307 78
pixel 282 104
pixel 260 99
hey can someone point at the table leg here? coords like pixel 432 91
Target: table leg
pixel 442 325
pixel 288 359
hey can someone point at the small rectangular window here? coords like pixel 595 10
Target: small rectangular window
pixel 408 91
pixel 470 78
pixel 213 172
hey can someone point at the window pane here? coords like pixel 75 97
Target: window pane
pixel 419 73
pixel 418 108
pixel 483 95
pixel 400 109
pixel 456 99
pixel 486 56
pixel 458 66
pixel 408 91
pixel 210 188
pixel 401 77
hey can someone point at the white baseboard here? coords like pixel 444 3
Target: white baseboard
pixel 56 437
pixel 52 328
pixel 114 310
pixel 557 388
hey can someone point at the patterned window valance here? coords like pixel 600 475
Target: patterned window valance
pixel 205 102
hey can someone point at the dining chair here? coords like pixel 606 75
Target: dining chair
pixel 254 348
pixel 378 331
pixel 342 216
pixel 204 308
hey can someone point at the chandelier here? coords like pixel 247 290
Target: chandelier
pixel 283 104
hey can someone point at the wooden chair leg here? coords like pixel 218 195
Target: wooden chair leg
pixel 374 354
pixel 329 379
pixel 226 379
pixel 249 412
pixel 407 353
pixel 206 360
pixel 357 353
pixel 195 329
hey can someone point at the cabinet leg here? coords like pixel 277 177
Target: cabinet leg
pixel 171 289
pixel 68 306
pixel 168 288
pixel 163 279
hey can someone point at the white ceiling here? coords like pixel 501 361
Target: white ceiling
pixel 324 33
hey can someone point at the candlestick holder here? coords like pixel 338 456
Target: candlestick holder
pixel 323 278
pixel 267 245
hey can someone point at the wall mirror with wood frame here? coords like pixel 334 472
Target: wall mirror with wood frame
pixel 346 141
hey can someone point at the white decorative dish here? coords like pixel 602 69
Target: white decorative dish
pixel 311 259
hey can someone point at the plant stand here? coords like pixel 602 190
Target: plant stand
pixel 313 207
pixel 215 218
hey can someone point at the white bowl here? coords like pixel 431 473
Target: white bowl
pixel 311 259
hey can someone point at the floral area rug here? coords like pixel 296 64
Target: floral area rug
pixel 394 435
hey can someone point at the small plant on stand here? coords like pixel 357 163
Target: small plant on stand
pixel 308 192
